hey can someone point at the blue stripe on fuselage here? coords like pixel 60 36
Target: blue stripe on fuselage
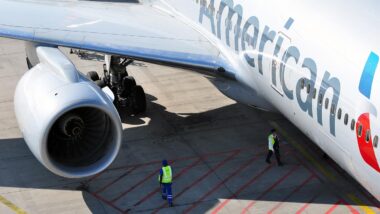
pixel 368 74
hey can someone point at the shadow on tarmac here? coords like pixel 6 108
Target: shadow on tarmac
pixel 148 143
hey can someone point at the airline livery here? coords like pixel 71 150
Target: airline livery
pixel 313 61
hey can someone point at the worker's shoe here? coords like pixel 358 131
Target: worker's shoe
pixel 280 164
pixel 171 205
pixel 164 197
pixel 268 161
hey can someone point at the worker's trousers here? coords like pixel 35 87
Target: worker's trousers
pixel 167 192
pixel 276 153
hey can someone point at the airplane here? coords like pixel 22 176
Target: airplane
pixel 314 62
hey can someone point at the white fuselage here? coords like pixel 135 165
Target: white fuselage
pixel 306 60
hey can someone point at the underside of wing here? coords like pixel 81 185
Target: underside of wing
pixel 142 31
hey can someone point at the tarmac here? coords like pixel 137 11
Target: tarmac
pixel 216 147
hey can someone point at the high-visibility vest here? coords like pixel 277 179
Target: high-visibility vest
pixel 166 174
pixel 271 142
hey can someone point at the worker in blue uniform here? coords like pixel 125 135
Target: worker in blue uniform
pixel 166 178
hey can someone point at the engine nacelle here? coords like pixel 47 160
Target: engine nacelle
pixel 68 122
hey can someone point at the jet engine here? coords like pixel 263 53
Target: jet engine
pixel 68 122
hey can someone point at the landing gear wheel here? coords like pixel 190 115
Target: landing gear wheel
pixel 93 75
pixel 128 84
pixel 138 100
pixel 101 83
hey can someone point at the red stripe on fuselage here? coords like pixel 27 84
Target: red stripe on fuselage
pixel 366 148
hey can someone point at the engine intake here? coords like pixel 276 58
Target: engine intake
pixel 80 137
pixel 67 121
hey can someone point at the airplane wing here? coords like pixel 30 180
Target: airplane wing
pixel 142 31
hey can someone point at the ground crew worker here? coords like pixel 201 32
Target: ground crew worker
pixel 274 146
pixel 165 179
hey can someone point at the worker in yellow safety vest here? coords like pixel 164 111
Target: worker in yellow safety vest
pixel 273 146
pixel 166 178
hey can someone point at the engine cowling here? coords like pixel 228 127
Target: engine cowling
pixel 68 122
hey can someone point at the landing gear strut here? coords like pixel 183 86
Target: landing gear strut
pixel 129 97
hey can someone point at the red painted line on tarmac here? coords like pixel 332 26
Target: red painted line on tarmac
pixel 352 210
pixel 202 177
pixel 303 208
pixel 245 210
pixel 180 159
pixel 250 161
pixel 336 204
pixel 311 177
pixel 225 202
pixel 175 177
pixel 116 180
pixel 107 202
pixel 95 176
pixel 332 208
pixel 135 186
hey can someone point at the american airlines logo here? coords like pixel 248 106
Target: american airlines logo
pixel 363 126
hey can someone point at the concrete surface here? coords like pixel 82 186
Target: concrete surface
pixel 217 149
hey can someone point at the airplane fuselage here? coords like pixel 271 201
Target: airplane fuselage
pixel 307 61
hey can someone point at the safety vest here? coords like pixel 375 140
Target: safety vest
pixel 271 139
pixel 271 142
pixel 166 174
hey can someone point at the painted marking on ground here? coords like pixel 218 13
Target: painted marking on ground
pixel 280 180
pixel 116 180
pixel 201 178
pixel 299 187
pixel 11 205
pixel 157 190
pixel 155 172
pixel 332 208
pixel 225 202
pixel 198 158
pixel 250 161
pixel 303 208
pixel 341 201
pixel 356 200
pixel 308 156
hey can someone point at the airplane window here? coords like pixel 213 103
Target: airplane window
pixel 332 109
pixel 375 141
pixel 367 135
pixel 352 124
pixel 302 83
pixel 345 119
pixel 360 129
pixel 314 93
pixel 308 88
pixel 339 113
pixel 320 99
pixel 327 103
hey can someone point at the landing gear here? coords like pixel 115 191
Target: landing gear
pixel 129 97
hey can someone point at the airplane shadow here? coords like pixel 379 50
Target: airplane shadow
pixel 149 138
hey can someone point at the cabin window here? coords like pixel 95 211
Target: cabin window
pixel 339 114
pixel 314 93
pixel 367 135
pixel 332 109
pixel 327 103
pixel 360 129
pixel 302 83
pixel 345 119
pixel 320 99
pixel 352 124
pixel 375 141
pixel 308 88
